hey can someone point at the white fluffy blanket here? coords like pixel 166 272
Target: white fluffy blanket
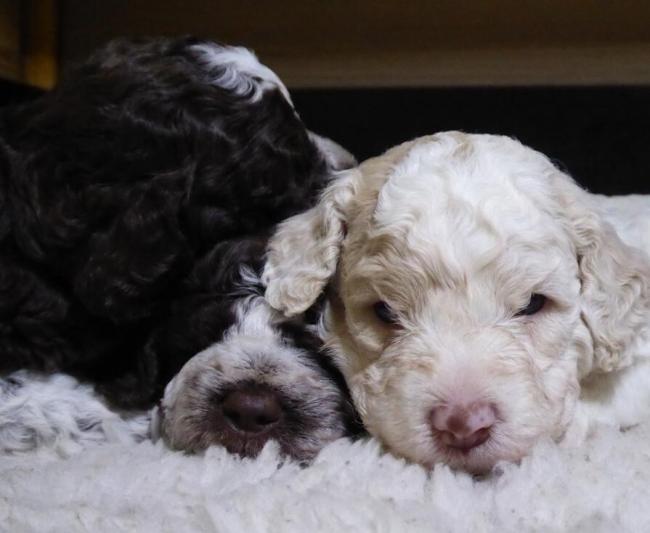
pixel 112 483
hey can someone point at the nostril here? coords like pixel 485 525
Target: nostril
pixel 252 409
pixel 440 416
pixel 481 415
pixel 466 442
pixel 463 427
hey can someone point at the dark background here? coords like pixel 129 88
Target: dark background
pixel 600 135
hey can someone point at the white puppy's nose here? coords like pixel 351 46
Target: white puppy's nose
pixel 463 427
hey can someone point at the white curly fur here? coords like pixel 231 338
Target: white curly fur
pixel 55 414
pixel 455 232
pixel 238 69
pixel 599 488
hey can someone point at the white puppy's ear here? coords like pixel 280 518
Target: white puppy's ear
pixel 615 279
pixel 303 253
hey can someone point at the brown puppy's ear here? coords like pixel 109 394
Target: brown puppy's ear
pixel 303 253
pixel 615 280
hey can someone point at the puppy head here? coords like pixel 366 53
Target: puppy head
pixel 239 374
pixel 263 381
pixel 473 285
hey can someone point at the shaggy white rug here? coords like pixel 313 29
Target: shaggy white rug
pixel 108 482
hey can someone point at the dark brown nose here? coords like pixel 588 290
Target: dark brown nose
pixel 252 409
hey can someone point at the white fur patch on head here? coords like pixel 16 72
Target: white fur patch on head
pixel 237 69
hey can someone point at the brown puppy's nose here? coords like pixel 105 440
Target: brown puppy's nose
pixel 252 409
pixel 463 427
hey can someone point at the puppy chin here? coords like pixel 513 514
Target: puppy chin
pixel 478 461
pixel 481 461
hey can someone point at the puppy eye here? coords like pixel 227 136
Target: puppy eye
pixel 384 312
pixel 535 305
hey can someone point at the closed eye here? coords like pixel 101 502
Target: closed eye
pixel 535 305
pixel 384 313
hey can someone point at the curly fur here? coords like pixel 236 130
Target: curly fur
pixel 134 204
pixel 455 232
pixel 56 413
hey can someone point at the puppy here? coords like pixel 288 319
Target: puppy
pixel 265 378
pixel 480 300
pixel 134 201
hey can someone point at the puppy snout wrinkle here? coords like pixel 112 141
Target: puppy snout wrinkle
pixel 463 427
pixel 252 409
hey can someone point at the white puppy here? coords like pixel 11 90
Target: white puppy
pixel 479 299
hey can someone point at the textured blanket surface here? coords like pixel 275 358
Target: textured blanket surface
pixel 142 487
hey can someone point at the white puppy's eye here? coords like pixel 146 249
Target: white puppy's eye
pixel 536 304
pixel 384 312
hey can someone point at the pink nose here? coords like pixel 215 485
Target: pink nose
pixel 463 427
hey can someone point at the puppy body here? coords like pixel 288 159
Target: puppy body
pixel 509 307
pixel 135 200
